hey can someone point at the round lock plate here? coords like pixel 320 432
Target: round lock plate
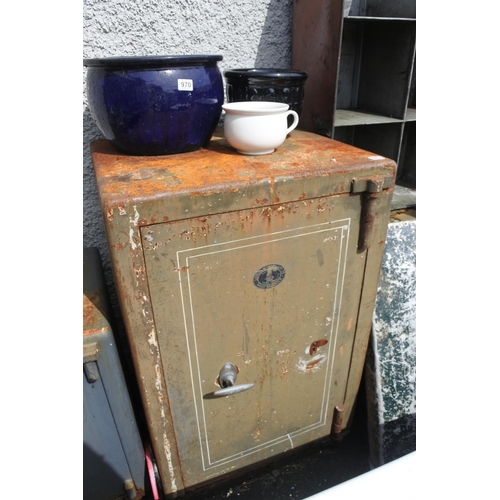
pixel 269 276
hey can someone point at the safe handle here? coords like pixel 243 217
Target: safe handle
pixel 234 389
pixel 227 381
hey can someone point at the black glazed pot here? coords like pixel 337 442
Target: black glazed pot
pixel 266 84
pixel 156 105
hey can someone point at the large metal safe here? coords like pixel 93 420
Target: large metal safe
pixel 247 286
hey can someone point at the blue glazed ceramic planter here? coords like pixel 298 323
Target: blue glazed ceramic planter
pixel 156 105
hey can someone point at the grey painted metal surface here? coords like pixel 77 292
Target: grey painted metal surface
pixel 112 447
pixel 403 197
pixel 390 370
pixel 105 466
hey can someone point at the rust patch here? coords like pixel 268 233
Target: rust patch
pixel 283 370
pixel 261 202
pixel 341 350
pixel 314 346
pixel 92 323
pixel 119 246
pixel 349 324
pixel 368 217
pixel 139 494
pixel 219 169
pixel 312 365
pixel 95 331
pixel 94 297
pixel 338 418
pixel 266 212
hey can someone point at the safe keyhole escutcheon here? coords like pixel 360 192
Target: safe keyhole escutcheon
pixel 227 381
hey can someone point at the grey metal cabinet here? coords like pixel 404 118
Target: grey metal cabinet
pixel 113 456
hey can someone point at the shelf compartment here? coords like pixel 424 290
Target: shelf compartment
pixel 412 99
pixel 382 139
pixel 383 8
pixel 407 168
pixel 376 66
pixel 350 117
pixel 411 115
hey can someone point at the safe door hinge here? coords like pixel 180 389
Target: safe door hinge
pixel 338 419
pixel 371 184
pixel 371 187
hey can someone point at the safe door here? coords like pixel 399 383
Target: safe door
pixel 255 314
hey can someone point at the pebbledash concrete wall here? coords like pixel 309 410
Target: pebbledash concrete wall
pixel 247 33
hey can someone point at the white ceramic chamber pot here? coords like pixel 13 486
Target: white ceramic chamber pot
pixel 257 127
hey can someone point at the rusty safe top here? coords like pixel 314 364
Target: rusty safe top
pixel 306 165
